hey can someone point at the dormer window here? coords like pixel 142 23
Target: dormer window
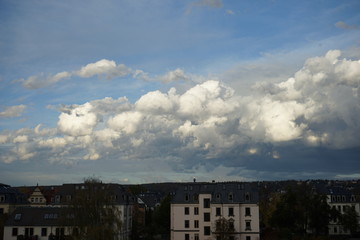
pixel 230 197
pixel 247 197
pixel 186 197
pixel 17 217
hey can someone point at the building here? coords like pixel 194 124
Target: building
pixel 45 204
pixel 35 223
pixel 341 199
pixel 10 199
pixel 197 210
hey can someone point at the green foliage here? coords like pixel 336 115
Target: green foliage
pixel 224 228
pixel 299 211
pixel 158 221
pixel 92 213
pixel 161 216
pixel 349 219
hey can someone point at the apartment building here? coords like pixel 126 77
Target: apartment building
pixel 41 217
pixel 204 211
pixel 341 199
pixel 10 199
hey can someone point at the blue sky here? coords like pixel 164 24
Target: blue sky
pixel 153 91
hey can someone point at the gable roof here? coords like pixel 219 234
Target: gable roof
pixel 35 216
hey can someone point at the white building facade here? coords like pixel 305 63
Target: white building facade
pixel 341 199
pixel 197 208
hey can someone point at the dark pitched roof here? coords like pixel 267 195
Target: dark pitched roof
pixel 226 192
pixel 35 216
pixel 11 195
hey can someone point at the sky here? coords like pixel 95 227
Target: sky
pixel 167 91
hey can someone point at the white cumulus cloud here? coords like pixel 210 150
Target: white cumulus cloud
pixel 79 121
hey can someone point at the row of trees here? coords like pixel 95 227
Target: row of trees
pixel 300 211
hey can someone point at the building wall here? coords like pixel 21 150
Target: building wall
pixel 37 230
pixel 184 224
pixel 340 203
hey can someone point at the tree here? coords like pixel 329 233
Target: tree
pixel 161 217
pixel 300 211
pixel 349 220
pixel 319 214
pixel 92 213
pixel 224 228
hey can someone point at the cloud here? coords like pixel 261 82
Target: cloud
pixel 209 3
pixel 230 12
pixel 204 3
pixel 283 125
pixel 13 111
pixel 40 81
pixel 176 75
pixel 79 122
pixel 343 25
pixel 103 67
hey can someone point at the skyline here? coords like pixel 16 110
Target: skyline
pixel 154 91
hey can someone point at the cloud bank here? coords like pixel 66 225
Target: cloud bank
pixel 209 125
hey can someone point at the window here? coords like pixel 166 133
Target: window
pixel 230 197
pixel 14 232
pixel 29 231
pixel 187 211
pixel 196 211
pixel 247 211
pixel 218 196
pixel 187 236
pixel 43 232
pixel 196 236
pixel 206 202
pixel 17 217
pixel 75 232
pixel 187 224
pixel 206 217
pixel 247 197
pixel 207 230
pixel 2 198
pixel 186 197
pixel 248 225
pixel 231 224
pixel 60 232
pixel 248 237
pixel 231 211
pixel 196 197
pixel 196 223
pixel 218 211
